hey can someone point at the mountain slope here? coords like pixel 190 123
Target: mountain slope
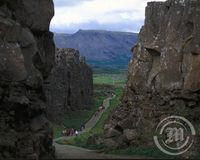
pixel 101 48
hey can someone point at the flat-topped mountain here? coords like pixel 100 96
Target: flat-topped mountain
pixel 101 48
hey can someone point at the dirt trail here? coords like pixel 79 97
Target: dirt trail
pixel 73 152
pixel 94 119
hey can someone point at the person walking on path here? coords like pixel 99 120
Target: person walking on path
pixel 76 132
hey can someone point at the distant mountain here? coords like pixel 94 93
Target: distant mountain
pixel 101 48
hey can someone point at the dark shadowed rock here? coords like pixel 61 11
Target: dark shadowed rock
pixel 164 76
pixel 26 57
pixel 70 86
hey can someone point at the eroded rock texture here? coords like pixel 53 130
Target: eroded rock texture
pixel 26 57
pixel 163 76
pixel 70 86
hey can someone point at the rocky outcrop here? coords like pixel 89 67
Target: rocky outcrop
pixel 163 76
pixel 26 57
pixel 70 86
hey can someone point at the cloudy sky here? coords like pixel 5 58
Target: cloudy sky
pixel 114 15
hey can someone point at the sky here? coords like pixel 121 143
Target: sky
pixel 112 15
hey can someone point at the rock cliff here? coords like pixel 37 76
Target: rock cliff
pixel 70 85
pixel 26 57
pixel 163 76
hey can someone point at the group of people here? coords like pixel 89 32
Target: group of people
pixel 72 131
pixel 75 132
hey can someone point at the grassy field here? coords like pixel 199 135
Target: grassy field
pixel 104 84
pixel 81 140
pixel 111 79
pixel 149 152
pixel 74 119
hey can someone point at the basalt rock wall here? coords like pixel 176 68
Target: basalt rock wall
pixel 70 85
pixel 163 76
pixel 26 58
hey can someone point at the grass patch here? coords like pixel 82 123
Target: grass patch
pixel 149 152
pixel 81 140
pixel 115 102
pixel 74 119
pixel 112 79
pixel 104 83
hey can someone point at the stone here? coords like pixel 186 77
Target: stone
pixel 12 66
pixel 26 58
pixel 112 133
pixel 39 13
pixel 38 123
pixel 111 143
pixel 130 134
pixel 163 76
pixel 69 86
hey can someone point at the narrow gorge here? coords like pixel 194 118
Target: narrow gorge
pixel 51 98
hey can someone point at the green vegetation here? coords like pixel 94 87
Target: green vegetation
pixel 111 79
pixel 109 71
pixel 57 130
pixel 150 152
pixel 81 140
pixel 74 119
pixel 104 83
pixel 113 104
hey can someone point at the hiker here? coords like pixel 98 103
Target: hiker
pixel 71 132
pixel 67 132
pixel 64 132
pixel 96 113
pixel 82 127
pixel 76 132
pixel 100 108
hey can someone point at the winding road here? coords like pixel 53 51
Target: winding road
pixel 73 152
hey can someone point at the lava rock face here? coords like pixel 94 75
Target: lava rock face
pixel 70 85
pixel 163 76
pixel 26 58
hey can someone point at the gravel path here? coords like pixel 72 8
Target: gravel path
pixel 73 152
pixel 95 118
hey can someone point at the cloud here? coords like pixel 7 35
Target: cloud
pixel 122 15
pixel 62 3
pixel 126 26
